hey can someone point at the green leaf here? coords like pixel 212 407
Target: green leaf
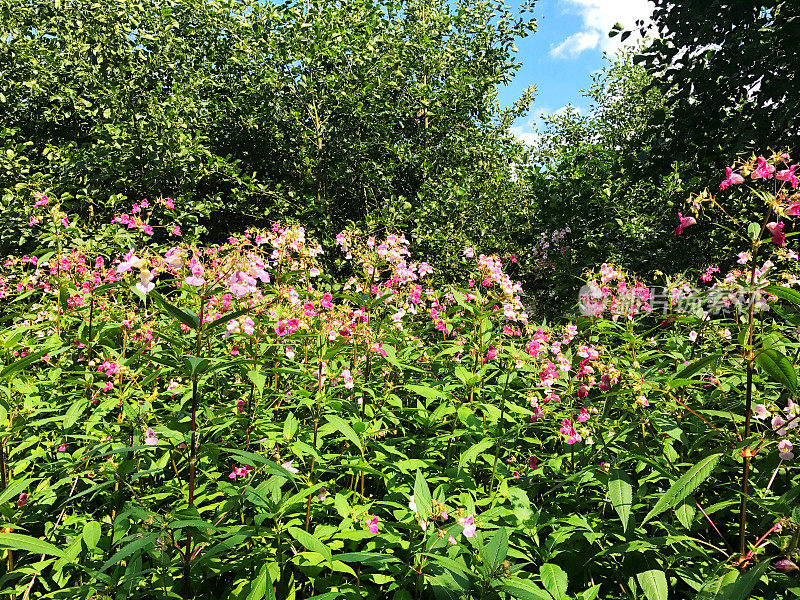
pixel 18 541
pixel 311 543
pixel 684 486
pixel 184 316
pixel 523 589
pixel 743 586
pixel 474 451
pixel 783 293
pixel 262 586
pixel 554 580
pixel 259 379
pixel 73 413
pixel 778 367
pixel 422 496
pixel 620 491
pixel 697 366
pixel 91 534
pixel 685 511
pixel 654 584
pixel 345 429
pixel 137 545
pixel 14 489
pixel 495 551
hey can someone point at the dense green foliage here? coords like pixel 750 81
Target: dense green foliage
pixel 376 112
pixel 234 422
pixel 729 73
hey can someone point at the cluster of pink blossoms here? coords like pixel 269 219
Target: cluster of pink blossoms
pixel 610 291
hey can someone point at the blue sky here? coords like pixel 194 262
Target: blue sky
pixel 567 48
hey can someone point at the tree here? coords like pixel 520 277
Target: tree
pixel 379 113
pixel 728 71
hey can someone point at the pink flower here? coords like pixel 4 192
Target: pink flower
pixel 785 447
pixel 684 222
pixel 169 203
pixel 452 541
pixel 764 170
pixel 175 230
pixel 327 301
pixel 62 448
pixel 533 463
pixel 469 252
pixel 778 237
pixel 348 379
pixel 150 437
pixel 469 526
pixel 730 178
pixel 692 336
pixel 198 271
pixel 583 415
pixel 288 466
pixel 491 352
pixel 373 524
pixel 788 175
pixel 760 412
pixel 239 472
pixel 41 200
pixel 145 284
pixel 22 500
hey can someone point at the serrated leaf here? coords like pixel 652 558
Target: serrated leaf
pixel 783 293
pixel 495 551
pixel 684 486
pixel 620 491
pixel 522 589
pixel 311 543
pixel 654 584
pixel 184 316
pixel 775 364
pixel 474 451
pixel 91 533
pixel 554 580
pixel 127 550
pixel 345 429
pixel 262 586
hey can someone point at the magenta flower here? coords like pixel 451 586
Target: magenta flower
pixel 373 524
pixel 684 222
pixel 730 178
pixel 239 472
pixel 788 175
pixel 778 237
pixel 22 500
pixel 764 170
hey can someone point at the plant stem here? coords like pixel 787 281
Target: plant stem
pixel 187 557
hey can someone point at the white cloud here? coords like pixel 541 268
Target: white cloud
pixel 597 18
pixel 575 44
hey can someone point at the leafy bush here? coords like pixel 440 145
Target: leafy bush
pixel 233 422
